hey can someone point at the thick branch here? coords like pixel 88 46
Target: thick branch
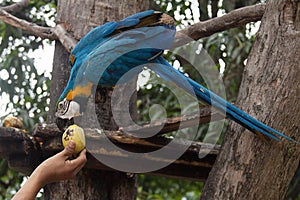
pixel 17 147
pixel 40 31
pixel 16 7
pixel 233 19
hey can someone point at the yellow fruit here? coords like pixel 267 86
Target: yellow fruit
pixel 76 134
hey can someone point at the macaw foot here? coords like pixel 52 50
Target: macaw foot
pixel 63 124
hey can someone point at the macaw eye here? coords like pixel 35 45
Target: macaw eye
pixel 63 107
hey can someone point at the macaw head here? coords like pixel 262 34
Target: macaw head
pixel 72 101
pixel 66 110
pixel 65 113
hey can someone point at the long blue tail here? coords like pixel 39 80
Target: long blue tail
pixel 168 73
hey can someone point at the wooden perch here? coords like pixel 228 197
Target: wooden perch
pixel 19 149
pixel 188 166
pixel 46 141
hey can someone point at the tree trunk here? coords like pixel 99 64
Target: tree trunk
pixel 79 17
pixel 247 167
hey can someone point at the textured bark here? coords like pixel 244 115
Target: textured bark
pixel 27 151
pixel 247 167
pixel 78 17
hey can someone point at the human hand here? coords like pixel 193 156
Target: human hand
pixel 56 168
pixel 60 167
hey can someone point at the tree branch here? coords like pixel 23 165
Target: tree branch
pixel 188 166
pixel 233 19
pixel 199 30
pixel 16 7
pixel 65 38
pixel 57 33
pixel 40 31
pixel 18 148
pixel 205 116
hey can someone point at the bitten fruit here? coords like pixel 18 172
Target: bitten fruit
pixel 76 134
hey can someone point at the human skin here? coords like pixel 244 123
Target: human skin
pixel 56 168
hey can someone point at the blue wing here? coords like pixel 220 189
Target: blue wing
pixel 94 39
pixel 129 50
pixel 102 33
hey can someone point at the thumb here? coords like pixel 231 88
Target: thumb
pixel 69 149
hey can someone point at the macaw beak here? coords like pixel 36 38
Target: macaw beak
pixel 65 114
pixel 63 124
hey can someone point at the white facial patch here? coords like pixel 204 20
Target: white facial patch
pixel 68 109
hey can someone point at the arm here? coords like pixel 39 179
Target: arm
pixel 55 168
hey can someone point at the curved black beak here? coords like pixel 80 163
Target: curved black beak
pixel 63 124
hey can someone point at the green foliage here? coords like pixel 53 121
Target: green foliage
pixel 231 48
pixel 151 187
pixel 9 181
pixel 26 87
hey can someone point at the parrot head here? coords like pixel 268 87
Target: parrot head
pixel 71 105
pixel 72 101
pixel 66 110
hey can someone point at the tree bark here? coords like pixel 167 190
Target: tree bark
pixel 79 17
pixel 247 167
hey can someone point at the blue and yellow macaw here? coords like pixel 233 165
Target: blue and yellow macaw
pixel 109 51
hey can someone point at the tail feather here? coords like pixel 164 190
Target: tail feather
pixel 168 73
pixel 235 113
pixel 252 126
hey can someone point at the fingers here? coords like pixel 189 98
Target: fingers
pixel 74 165
pixel 78 163
pixel 69 149
pixel 80 160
